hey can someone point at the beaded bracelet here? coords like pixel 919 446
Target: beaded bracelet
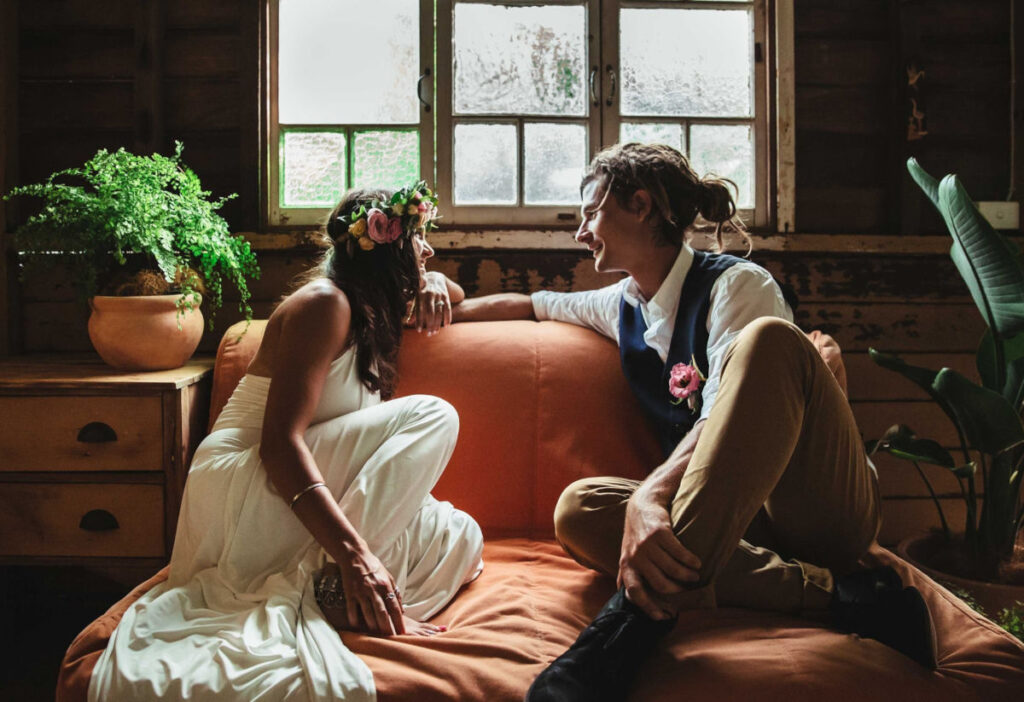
pixel 303 491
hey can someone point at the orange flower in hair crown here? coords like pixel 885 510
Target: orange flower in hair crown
pixel 409 211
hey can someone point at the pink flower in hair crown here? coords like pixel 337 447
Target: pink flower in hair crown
pixel 684 383
pixel 394 230
pixel 377 224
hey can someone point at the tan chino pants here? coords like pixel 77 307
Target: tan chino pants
pixel 777 496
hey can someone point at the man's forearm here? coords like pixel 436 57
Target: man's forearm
pixel 493 307
pixel 663 483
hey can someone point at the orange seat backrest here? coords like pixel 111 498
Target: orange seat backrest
pixel 540 405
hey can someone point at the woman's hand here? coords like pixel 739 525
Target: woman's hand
pixel 372 601
pixel 433 304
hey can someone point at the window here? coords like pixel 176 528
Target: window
pixel 501 103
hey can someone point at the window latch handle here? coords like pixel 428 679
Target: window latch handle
pixel 593 86
pixel 611 85
pixel 419 89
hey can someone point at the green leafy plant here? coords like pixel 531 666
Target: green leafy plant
pixel 987 417
pixel 120 207
pixel 1012 619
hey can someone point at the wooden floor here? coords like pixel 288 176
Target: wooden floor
pixel 43 609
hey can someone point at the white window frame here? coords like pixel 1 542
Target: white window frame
pixel 277 214
pixel 505 215
pixel 507 226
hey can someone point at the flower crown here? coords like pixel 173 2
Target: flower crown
pixel 408 211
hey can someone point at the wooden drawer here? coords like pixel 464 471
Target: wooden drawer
pixel 84 519
pixel 81 433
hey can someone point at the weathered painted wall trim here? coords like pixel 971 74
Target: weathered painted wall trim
pixel 532 240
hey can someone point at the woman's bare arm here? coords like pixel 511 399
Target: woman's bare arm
pixel 314 330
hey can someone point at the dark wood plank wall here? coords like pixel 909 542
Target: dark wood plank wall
pixel 141 74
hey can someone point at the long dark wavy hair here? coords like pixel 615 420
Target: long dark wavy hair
pixel 380 285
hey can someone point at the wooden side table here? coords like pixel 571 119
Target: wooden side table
pixel 93 460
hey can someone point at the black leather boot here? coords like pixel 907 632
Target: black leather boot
pixel 874 605
pixel 600 666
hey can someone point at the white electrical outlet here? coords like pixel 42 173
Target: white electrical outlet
pixel 1000 214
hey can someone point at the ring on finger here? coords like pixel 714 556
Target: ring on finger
pixel 390 596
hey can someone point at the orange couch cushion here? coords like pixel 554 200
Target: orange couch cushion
pixel 540 404
pixel 531 601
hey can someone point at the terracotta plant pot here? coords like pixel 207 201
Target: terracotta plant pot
pixel 142 333
pixel 992 597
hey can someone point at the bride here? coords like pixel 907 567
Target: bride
pixel 308 509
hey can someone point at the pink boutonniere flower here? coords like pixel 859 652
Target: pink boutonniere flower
pixel 684 383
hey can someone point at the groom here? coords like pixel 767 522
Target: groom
pixel 765 498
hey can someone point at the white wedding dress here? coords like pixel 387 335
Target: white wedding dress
pixel 237 619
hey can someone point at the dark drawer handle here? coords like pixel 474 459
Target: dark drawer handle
pixel 97 433
pixel 98 520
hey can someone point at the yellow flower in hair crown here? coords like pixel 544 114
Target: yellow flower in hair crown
pixel 409 211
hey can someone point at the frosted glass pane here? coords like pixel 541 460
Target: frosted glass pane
pixel 522 60
pixel 728 152
pixel 348 62
pixel 312 168
pixel 385 159
pixel 554 158
pixel 684 62
pixel 486 169
pixel 671 133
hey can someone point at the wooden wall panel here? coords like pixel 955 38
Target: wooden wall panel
pixel 870 383
pixel 900 480
pixel 906 517
pixel 206 105
pixel 76 14
pixel 58 54
pixel 851 79
pixel 926 418
pixel 9 316
pixel 205 53
pixel 220 14
pixel 77 107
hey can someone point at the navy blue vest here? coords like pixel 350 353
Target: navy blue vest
pixel 643 368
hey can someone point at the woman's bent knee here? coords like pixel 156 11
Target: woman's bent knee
pixel 435 410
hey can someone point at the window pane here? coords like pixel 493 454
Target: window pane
pixel 312 168
pixel 326 52
pixel 555 156
pixel 682 62
pixel 522 60
pixel 385 158
pixel 728 152
pixel 671 133
pixel 486 164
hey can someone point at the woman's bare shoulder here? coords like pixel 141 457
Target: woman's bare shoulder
pixel 318 313
pixel 317 302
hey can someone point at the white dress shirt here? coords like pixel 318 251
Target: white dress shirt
pixel 741 294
